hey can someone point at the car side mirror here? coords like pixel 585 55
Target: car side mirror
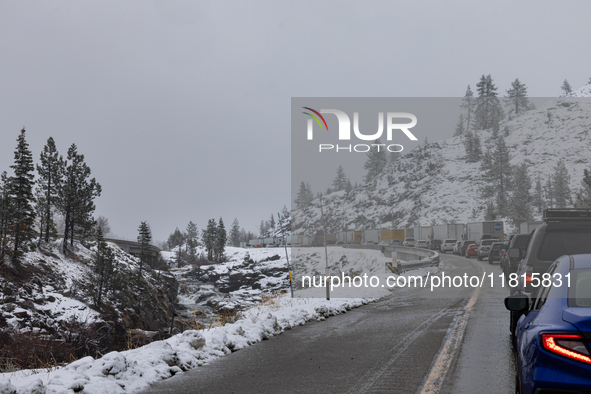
pixel 517 303
pixel 515 253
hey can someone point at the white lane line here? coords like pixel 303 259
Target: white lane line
pixel 451 345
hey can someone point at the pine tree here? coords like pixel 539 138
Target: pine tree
pixel 209 238
pixel 549 190
pixel 285 212
pixel 539 196
pixel 375 163
pixel 566 88
pixel 340 181
pixel 348 186
pixel 192 238
pixel 561 182
pixel 76 197
pixel 5 215
pixel 102 223
pixel 460 128
pixel 517 98
pixel 272 223
pixel 498 170
pixel 21 194
pixel 583 198
pixel 521 199
pixel 102 271
pixel 469 105
pixel 144 238
pixel 488 109
pixel 177 238
pixel 235 233
pixel 50 174
pixel 302 198
pixel 220 241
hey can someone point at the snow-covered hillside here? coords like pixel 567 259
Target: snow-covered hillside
pixel 434 184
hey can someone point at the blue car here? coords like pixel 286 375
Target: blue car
pixel 553 335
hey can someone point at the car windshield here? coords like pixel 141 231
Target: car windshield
pixel 558 243
pixel 580 289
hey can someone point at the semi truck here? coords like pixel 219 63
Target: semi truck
pixel 386 235
pixel 422 233
pixel 372 236
pixel 479 230
pixel 448 231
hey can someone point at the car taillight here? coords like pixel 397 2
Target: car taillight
pixel 567 345
pixel 529 270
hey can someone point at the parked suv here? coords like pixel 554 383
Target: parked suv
pixel 565 231
pixel 448 245
pixel 484 248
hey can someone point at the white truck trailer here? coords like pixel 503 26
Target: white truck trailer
pixel 448 231
pixel 372 236
pixel 478 230
pixel 422 233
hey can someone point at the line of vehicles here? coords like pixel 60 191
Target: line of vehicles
pixel 428 236
pixel 550 303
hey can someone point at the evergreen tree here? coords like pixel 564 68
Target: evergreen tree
pixel 285 212
pixel 209 238
pixel 21 194
pixel 144 238
pixel 561 182
pixel 102 223
pixel 177 238
pixel 304 196
pixel 102 271
pixel 235 233
pixel 566 88
pixel 498 170
pixel 272 223
pixel 460 128
pixel 549 190
pixel 473 146
pixel 220 241
pixel 517 98
pixel 375 163
pixel 192 238
pixel 76 197
pixel 50 174
pixel 488 108
pixel 521 200
pixel 5 215
pixel 468 105
pixel 539 196
pixel 348 186
pixel 506 131
pixel 583 198
pixel 340 181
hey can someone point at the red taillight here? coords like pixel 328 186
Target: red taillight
pixel 529 270
pixel 567 345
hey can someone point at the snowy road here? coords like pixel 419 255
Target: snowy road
pixel 392 346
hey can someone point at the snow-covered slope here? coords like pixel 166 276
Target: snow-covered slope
pixel 434 184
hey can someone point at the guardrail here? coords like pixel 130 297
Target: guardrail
pixel 415 257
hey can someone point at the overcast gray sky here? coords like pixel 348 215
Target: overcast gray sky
pixel 182 109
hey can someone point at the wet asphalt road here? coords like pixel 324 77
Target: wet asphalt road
pixel 389 346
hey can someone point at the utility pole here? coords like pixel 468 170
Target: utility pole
pixel 325 250
pixel 286 256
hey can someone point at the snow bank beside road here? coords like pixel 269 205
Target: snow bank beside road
pixel 132 370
